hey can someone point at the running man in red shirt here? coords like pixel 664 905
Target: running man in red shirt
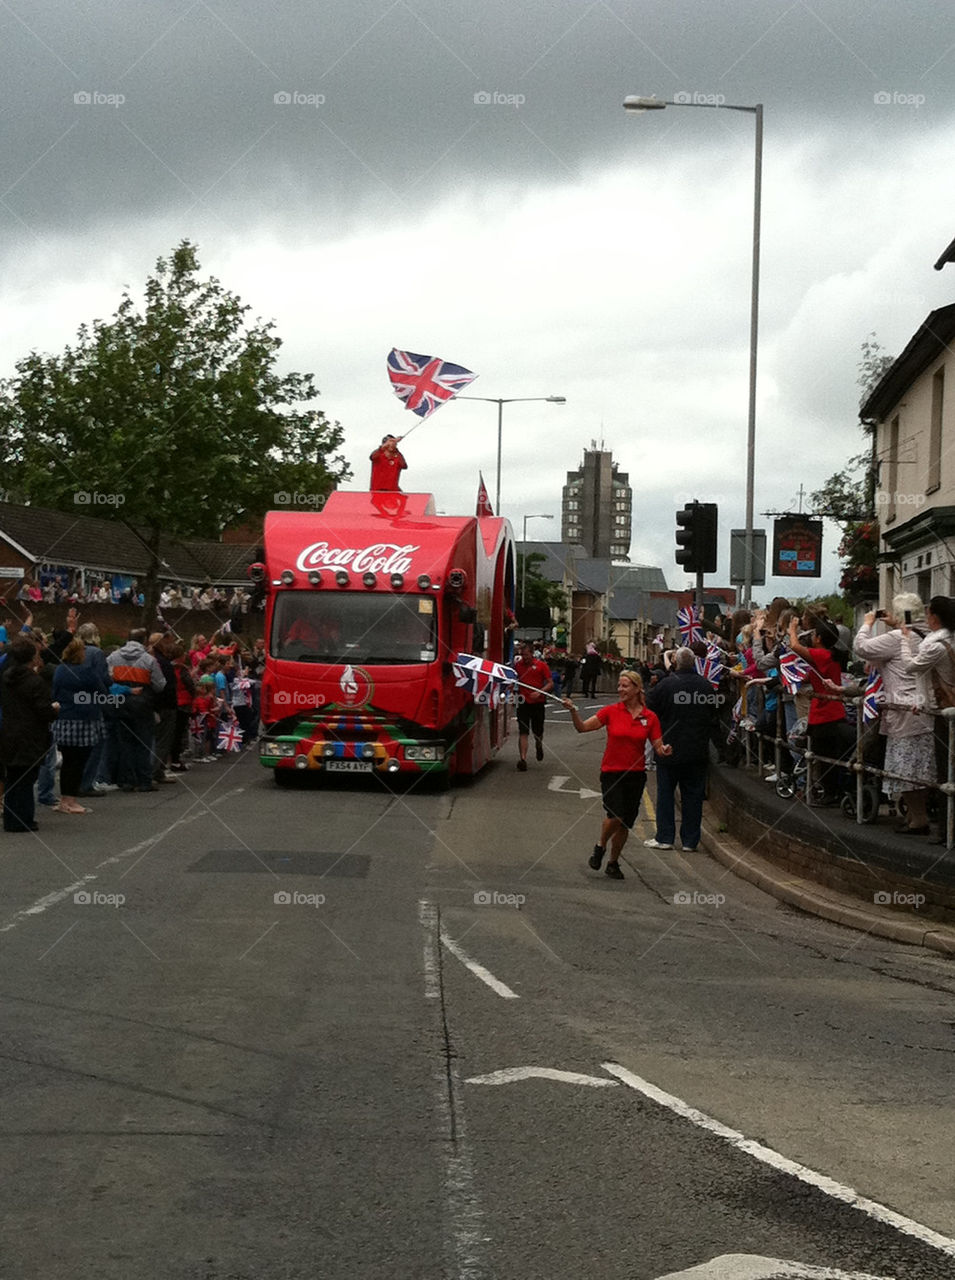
pixel 530 709
pixel 387 465
pixel 630 724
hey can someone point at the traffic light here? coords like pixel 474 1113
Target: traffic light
pixel 696 537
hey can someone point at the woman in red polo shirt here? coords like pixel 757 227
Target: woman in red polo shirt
pixel 829 734
pixel 630 726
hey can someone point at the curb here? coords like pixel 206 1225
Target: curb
pixel 807 896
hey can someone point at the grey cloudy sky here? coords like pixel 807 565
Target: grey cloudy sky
pixel 544 238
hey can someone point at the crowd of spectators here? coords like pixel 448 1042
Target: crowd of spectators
pixel 56 590
pixel 132 720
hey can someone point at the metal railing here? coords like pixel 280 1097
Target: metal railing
pixel 865 772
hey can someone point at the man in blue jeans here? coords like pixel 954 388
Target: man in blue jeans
pixel 686 706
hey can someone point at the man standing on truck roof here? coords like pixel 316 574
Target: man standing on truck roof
pixel 387 465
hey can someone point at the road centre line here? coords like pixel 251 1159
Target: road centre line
pixel 59 895
pixel 836 1190
pixel 478 970
pixel 428 916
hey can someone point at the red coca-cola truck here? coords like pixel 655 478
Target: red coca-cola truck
pixel 368 603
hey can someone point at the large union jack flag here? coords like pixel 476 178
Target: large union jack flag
pixel 711 667
pixel 874 696
pixel 484 679
pixel 424 383
pixel 230 737
pixel 793 670
pixel 688 620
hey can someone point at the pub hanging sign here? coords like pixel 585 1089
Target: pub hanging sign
pixel 797 547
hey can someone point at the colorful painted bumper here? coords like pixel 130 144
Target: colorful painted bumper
pixel 352 743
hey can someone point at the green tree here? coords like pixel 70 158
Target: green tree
pixel 173 416
pixel 848 496
pixel 535 589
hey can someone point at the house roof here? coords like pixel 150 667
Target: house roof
pixel 82 541
pixel 627 603
pixel 931 339
pixel 947 256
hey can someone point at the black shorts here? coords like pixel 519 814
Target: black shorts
pixel 622 793
pixel 530 715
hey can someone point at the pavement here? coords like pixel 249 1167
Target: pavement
pixel 877 844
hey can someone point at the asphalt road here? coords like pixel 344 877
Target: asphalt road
pixel 251 1033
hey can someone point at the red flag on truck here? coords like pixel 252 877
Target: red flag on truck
pixel 484 507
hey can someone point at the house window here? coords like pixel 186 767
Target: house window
pixel 893 469
pixel 935 434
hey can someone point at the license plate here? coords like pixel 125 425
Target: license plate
pixel 350 766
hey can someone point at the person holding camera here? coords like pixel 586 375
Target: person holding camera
pixel 909 738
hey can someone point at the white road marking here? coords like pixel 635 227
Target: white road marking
pixel 557 784
pixel 747 1266
pixel 478 970
pixel 58 895
pixel 508 1075
pixel 879 1212
pixel 428 917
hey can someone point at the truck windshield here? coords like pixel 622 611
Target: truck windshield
pixel 343 627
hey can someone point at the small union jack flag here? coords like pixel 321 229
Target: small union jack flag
pixel 230 737
pixel 197 726
pixel 793 670
pixel 484 679
pixel 711 667
pixel 873 698
pixel 688 620
pixel 424 383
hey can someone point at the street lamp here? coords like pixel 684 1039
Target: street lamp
pixel 635 103
pixel 500 419
pixel 524 556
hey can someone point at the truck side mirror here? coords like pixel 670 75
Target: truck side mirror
pixel 467 613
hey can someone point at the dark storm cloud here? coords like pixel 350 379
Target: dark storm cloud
pixel 391 104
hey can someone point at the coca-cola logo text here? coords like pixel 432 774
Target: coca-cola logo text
pixel 380 557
